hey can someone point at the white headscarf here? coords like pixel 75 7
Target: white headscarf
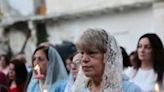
pixel 56 69
pixel 112 77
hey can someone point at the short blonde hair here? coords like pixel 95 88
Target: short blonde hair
pixel 93 38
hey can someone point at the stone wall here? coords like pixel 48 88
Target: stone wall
pixel 158 11
pixel 15 40
pixel 71 6
pixel 126 26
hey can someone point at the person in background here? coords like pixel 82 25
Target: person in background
pixel 133 60
pixel 17 76
pixel 150 56
pixel 3 82
pixel 50 70
pixel 66 50
pixel 134 63
pixel 68 62
pixel 75 65
pixel 22 57
pixel 101 63
pixel 126 61
pixel 4 62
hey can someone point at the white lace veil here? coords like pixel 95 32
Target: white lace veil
pixel 112 77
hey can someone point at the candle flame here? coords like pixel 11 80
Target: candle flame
pixel 45 90
pixel 37 68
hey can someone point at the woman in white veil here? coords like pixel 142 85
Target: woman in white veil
pixel 50 62
pixel 101 64
pixel 92 43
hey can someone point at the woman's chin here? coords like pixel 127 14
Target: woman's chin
pixel 88 74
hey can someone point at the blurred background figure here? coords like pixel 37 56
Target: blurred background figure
pixel 134 64
pixel 17 76
pixel 68 62
pixel 127 85
pixel 51 68
pixel 75 65
pixel 3 82
pixel 133 61
pixel 126 61
pixel 22 57
pixel 66 50
pixel 4 62
pixel 150 56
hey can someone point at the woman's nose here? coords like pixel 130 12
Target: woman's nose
pixel 142 49
pixel 85 58
pixel 73 66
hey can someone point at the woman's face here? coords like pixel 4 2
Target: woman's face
pixel 132 60
pixel 68 64
pixel 144 50
pixel 12 73
pixel 75 65
pixel 40 59
pixel 92 63
pixel 2 62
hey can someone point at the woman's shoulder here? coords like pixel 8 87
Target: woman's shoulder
pixel 59 86
pixel 60 82
pixel 129 69
pixel 129 72
pixel 32 85
pixel 130 87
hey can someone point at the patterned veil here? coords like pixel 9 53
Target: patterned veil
pixel 112 77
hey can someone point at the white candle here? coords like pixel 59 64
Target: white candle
pixel 45 90
pixel 156 87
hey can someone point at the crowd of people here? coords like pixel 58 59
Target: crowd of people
pixel 96 64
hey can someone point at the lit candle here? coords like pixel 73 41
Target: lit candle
pixel 157 88
pixel 45 90
pixel 40 77
pixel 37 68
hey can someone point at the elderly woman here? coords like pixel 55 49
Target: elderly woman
pixel 51 70
pixel 101 63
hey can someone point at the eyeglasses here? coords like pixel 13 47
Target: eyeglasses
pixel 76 62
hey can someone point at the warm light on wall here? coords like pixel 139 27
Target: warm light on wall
pixel 41 9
